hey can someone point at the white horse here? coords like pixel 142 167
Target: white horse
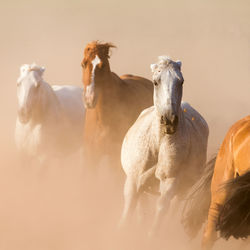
pixel 165 150
pixel 50 119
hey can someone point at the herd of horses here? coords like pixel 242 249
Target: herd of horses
pixel 143 125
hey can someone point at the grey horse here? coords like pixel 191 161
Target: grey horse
pixel 165 149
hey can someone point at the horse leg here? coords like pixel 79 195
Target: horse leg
pixel 145 182
pixel 142 208
pixel 210 235
pixel 167 192
pixel 130 200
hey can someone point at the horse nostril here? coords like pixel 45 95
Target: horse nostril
pixel 175 120
pixel 22 112
pixel 162 119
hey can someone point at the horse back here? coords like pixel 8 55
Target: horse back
pixel 70 99
pixel 232 160
pixel 138 92
pixel 130 95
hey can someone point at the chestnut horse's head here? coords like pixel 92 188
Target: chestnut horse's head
pixel 95 65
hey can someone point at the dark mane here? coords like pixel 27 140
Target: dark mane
pixel 234 217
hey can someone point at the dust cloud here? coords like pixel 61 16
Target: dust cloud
pixel 66 206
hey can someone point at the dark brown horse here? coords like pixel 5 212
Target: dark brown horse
pixel 112 104
pixel 228 200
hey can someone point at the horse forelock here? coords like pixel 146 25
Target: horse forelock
pixel 165 62
pixel 98 48
pixel 26 68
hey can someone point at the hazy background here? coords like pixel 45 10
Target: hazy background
pixel 211 38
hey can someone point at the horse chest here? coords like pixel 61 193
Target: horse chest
pixel 172 155
pixel 29 138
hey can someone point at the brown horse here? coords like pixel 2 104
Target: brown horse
pixel 112 104
pixel 229 209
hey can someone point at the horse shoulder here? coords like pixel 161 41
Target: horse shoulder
pixel 241 145
pixel 137 143
pixel 195 119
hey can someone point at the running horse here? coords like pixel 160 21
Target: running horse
pixel 229 206
pixel 165 149
pixel 112 104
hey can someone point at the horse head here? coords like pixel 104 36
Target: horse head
pixel 95 64
pixel 168 84
pixel 28 85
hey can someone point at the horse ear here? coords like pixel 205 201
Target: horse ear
pixel 179 64
pixel 106 49
pixel 42 69
pixel 153 67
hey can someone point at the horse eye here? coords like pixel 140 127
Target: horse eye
pixel 155 83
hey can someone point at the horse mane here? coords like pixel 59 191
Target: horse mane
pixel 234 216
pixel 103 49
pixel 164 60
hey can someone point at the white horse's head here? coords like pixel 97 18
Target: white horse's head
pixel 168 81
pixel 28 85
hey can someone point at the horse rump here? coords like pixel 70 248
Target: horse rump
pixel 234 216
pixel 198 201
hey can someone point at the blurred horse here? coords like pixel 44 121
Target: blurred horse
pixel 112 105
pixel 165 150
pixel 229 194
pixel 50 118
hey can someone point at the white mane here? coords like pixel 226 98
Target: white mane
pixel 26 68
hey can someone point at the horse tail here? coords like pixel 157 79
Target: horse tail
pixel 234 216
pixel 198 201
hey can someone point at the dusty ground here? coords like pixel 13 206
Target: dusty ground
pixel 66 208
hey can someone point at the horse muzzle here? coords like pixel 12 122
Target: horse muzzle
pixel 24 115
pixel 169 124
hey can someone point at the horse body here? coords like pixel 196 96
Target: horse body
pixel 157 151
pixel 233 161
pixel 50 120
pixel 113 104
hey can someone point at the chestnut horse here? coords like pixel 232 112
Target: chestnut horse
pixel 229 209
pixel 112 104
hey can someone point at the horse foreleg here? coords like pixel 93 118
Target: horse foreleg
pixel 146 179
pixel 167 192
pixel 130 200
pixel 210 235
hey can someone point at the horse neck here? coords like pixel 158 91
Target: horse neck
pixel 108 97
pixel 48 106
